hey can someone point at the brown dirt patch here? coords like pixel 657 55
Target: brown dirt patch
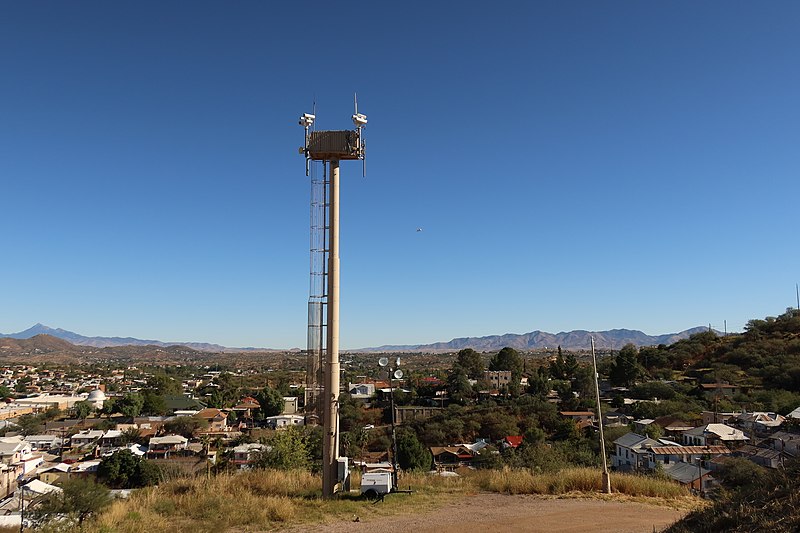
pixel 497 512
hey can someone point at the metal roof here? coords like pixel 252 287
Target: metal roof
pixel 690 450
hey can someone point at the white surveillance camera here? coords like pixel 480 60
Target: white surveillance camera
pixel 359 119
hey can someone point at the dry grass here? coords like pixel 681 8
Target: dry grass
pixel 575 480
pixel 265 500
pixel 257 501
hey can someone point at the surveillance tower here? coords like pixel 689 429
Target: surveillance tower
pixel 329 148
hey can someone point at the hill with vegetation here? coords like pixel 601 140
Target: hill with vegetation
pixel 760 500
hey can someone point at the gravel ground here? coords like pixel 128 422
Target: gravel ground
pixel 497 512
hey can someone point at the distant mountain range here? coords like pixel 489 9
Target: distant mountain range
pixel 105 342
pixel 538 340
pixel 535 340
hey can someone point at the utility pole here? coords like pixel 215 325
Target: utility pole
pixel 606 480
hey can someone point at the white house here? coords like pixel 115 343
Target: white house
pixel 631 452
pixel 86 437
pixel 283 421
pixel 43 442
pixel 712 434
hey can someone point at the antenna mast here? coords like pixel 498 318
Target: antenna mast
pixel 328 147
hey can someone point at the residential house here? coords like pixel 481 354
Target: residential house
pixel 631 452
pixel 13 450
pixel 182 402
pixel 582 418
pixel 666 455
pixel 616 419
pixel 641 426
pixel 166 445
pixel 111 438
pixel 451 457
pixel 497 379
pixel 86 438
pixel 673 426
pixel 766 457
pixel 247 406
pixel 785 442
pixel 43 442
pixel 361 391
pixel 245 454
pixel 217 420
pixel 759 422
pixel 8 479
pixel 690 475
pixel 712 434
pixel 511 441
pixel 57 473
pixel 719 390
pixel 84 469
pixel 284 421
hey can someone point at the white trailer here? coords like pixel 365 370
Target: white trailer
pixel 376 484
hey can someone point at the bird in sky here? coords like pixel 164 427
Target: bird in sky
pixel 419 230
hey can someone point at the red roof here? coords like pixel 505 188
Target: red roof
pixel 514 440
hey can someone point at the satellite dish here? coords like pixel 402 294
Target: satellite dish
pixel 383 361
pixel 398 374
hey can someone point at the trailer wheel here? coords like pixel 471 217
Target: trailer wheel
pixel 371 494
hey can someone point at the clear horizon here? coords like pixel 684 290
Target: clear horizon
pixel 572 166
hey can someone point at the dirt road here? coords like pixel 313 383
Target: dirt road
pixel 496 512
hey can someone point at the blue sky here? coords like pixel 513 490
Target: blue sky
pixel 574 165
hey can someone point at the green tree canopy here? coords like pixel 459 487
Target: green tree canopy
pixel 79 499
pixel 186 426
pixel 472 363
pixel 411 454
pixel 509 359
pixel 271 401
pixel 288 449
pixel 626 368
pixel 130 405
pixel 153 404
pixel 123 470
pixel 458 388
pixel 82 409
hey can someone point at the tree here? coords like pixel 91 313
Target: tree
pixel 538 384
pixel 570 366
pixel 30 424
pixel 626 367
pixel 161 384
pixel 82 409
pixel 288 449
pixel 131 435
pixel 458 388
pixel 411 454
pixel 509 359
pixel 558 366
pixel 153 404
pixel 78 499
pixel 271 401
pixel 123 470
pixel 130 405
pixel 186 426
pixel 472 363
